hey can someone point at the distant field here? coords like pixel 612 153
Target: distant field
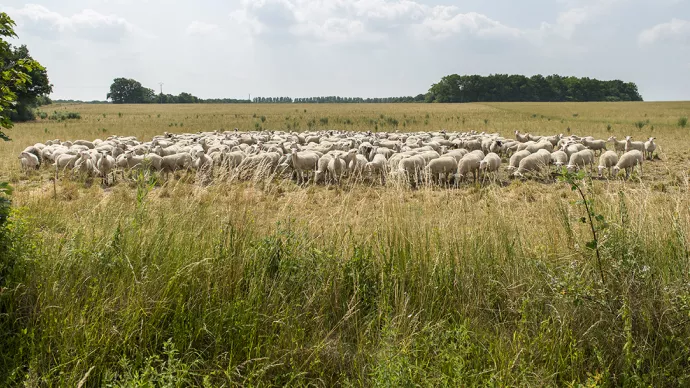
pixel 274 284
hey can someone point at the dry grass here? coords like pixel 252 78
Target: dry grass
pixel 273 284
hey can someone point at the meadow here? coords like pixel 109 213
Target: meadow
pixel 262 284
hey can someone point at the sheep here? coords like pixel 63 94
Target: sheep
pixel 322 168
pixel 469 164
pixel 439 168
pixel 105 165
pixel 521 138
pixel 628 161
pixel 305 161
pixel 358 164
pixel 172 163
pixel 203 163
pixel 490 164
pixel 28 161
pixel 581 159
pixel 516 158
pixel 531 163
pixel 65 161
pixel 595 145
pixel 411 167
pixel 336 168
pixel 618 145
pixel 607 160
pixel 376 166
pixel 85 165
pixel 559 158
pixel 634 145
pixel 37 152
pixel 649 148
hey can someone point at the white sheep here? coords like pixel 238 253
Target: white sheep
pixel 618 145
pixel 85 165
pixel 440 168
pixel 532 163
pixel 634 145
pixel 595 145
pixel 302 162
pixel 559 158
pixel 607 160
pixel 28 161
pixel 514 162
pixel 105 165
pixel 469 164
pixel 649 148
pixel 581 159
pixel 490 164
pixel 628 162
pixel 337 167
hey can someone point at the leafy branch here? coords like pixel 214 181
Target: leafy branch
pixel 576 182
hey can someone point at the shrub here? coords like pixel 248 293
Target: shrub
pixel 683 122
pixel 640 124
pixel 263 119
pixel 324 120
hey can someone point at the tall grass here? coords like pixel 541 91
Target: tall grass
pixel 434 290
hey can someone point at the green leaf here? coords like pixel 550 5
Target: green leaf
pixel 599 218
pixel 592 244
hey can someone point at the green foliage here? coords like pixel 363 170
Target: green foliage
pixel 129 91
pixel 35 92
pixel 641 123
pixel 683 122
pixel 323 120
pixel 513 88
pixel 15 74
pixel 63 115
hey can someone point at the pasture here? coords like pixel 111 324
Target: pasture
pixel 271 283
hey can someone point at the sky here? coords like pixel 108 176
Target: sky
pixel 358 48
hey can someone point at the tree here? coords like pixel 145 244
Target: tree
pixel 15 74
pixel 34 93
pixel 129 91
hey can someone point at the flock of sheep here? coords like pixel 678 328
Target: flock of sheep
pixel 329 156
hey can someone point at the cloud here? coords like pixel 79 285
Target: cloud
pixel 87 24
pixel 339 21
pixel 677 30
pixel 202 29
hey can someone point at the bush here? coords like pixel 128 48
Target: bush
pixel 683 122
pixel 324 120
pixel 62 116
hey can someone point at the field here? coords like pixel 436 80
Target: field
pixel 257 283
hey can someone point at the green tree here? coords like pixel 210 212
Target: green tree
pixel 34 93
pixel 129 91
pixel 15 74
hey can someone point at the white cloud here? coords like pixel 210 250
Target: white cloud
pixel 201 28
pixel 675 30
pixel 87 24
pixel 336 21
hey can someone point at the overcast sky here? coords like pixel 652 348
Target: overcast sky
pixel 367 48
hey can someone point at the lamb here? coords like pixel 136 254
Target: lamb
pixel 581 159
pixel 649 148
pixel 29 161
pixel 440 168
pixel 634 145
pixel 628 162
pixel 607 160
pixel 618 145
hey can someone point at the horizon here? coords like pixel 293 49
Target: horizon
pixel 368 49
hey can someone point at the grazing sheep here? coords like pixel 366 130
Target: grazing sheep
pixel 514 163
pixel 37 152
pixel 29 161
pixel 440 168
pixel 581 159
pixel 607 160
pixel 649 148
pixel 531 163
pixel 469 164
pixel 521 138
pixel 65 161
pixel 411 168
pixel 322 168
pixel 628 162
pixel 559 158
pixel 377 166
pixel 490 164
pixel 85 165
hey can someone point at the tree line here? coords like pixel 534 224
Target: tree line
pixel 519 88
pixel 129 91
pixel 337 100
